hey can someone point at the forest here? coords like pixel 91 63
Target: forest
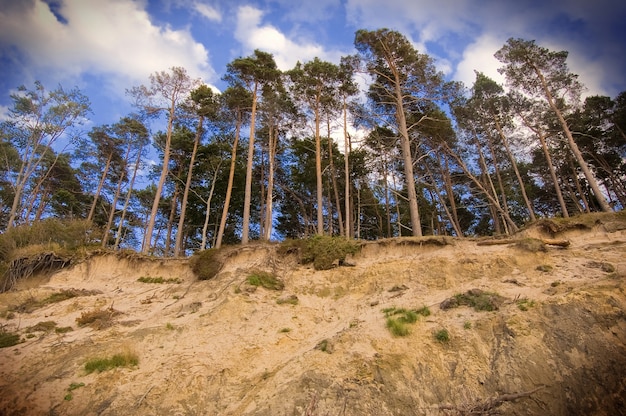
pixel 274 155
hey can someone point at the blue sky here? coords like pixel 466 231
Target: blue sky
pixel 104 47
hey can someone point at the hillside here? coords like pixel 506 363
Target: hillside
pixel 554 343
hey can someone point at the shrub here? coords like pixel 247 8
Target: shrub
pixel 398 318
pixel 442 335
pixel 524 304
pixel 475 298
pixel 397 327
pixel 124 359
pixel 323 251
pixel 266 280
pixel 97 318
pixel 424 311
pixel 206 264
pixel 8 339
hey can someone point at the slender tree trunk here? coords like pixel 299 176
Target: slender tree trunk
pixel 170 221
pixel 99 189
pixel 333 177
pixel 450 192
pixel 205 227
pixel 248 190
pixel 604 205
pixel 555 180
pixel 505 142
pixel 118 191
pixel 416 225
pixel 269 203
pixel 579 188
pixel 183 205
pixel 127 201
pixel 229 187
pixel 157 198
pixel 347 151
pixel 318 171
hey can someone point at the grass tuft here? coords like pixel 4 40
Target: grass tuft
pixel 442 336
pixel 123 359
pixel 266 280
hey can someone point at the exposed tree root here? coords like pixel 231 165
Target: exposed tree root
pixel 26 267
pixel 487 407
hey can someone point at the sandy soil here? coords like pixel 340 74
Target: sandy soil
pixel 223 347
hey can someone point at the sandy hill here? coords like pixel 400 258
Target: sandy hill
pixel 554 343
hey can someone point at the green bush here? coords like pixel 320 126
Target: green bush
pixel 206 264
pixel 323 251
pixel 266 280
pixel 442 336
pixel 124 359
pixel 51 231
pixel 8 339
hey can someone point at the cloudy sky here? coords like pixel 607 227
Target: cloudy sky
pixel 104 47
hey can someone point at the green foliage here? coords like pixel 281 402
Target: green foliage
pixel 524 304
pixel 206 264
pixel 442 336
pixel 323 251
pixel 467 325
pixel 285 330
pixel 397 327
pixel 475 298
pixel 147 279
pixel 398 318
pixel 266 280
pixel 71 388
pixel 8 339
pixel 49 233
pixel 124 359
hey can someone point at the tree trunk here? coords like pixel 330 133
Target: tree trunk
pixel 555 180
pixel 347 151
pixel 205 227
pixel 505 142
pixel 147 241
pixel 318 171
pixel 99 189
pixel 269 202
pixel 333 177
pixel 248 190
pixel 604 205
pixel 127 201
pixel 183 205
pixel 229 187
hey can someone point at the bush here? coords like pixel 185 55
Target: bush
pixel 206 264
pixel 98 318
pixel 323 251
pixel 266 280
pixel 442 335
pixel 8 339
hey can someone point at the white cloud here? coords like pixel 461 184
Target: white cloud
pixel 478 56
pixel 254 35
pixel 114 38
pixel 207 11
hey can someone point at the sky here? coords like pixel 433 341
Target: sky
pixel 105 47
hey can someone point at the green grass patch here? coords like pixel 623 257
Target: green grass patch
pixel 266 280
pixel 525 304
pixel 442 336
pixel 398 319
pixel 284 330
pixel 147 279
pixel 8 339
pixel 124 359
